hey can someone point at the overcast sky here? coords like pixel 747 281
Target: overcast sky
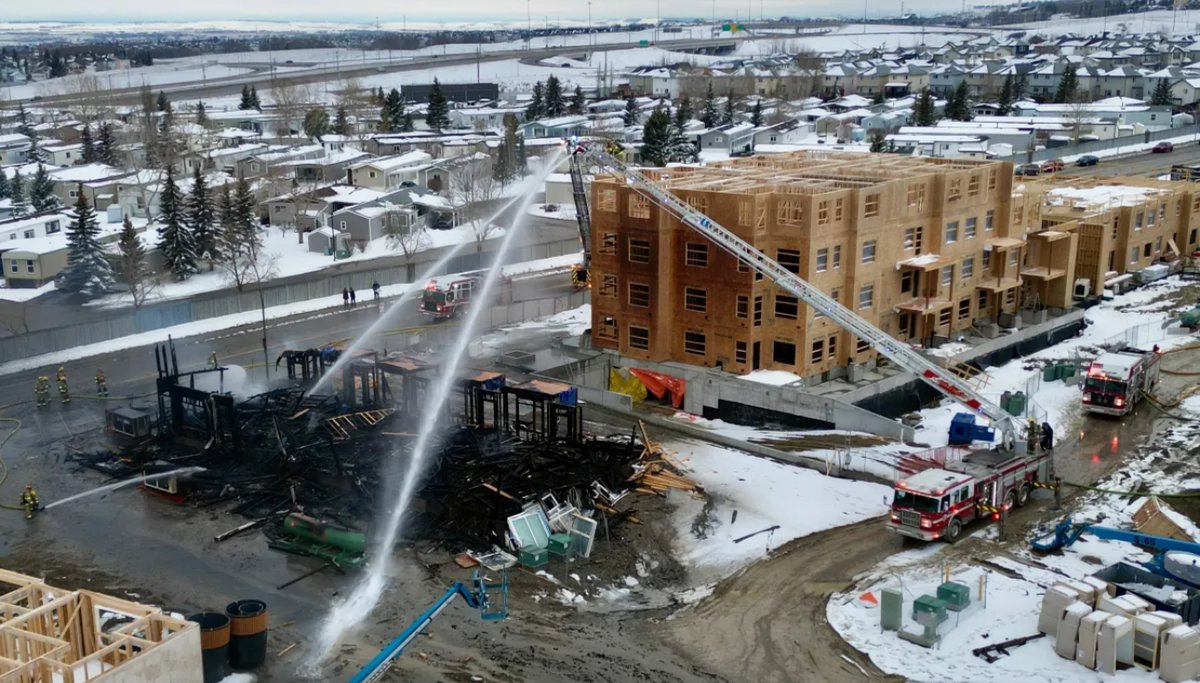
pixel 455 10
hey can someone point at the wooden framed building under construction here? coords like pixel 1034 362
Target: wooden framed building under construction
pixel 54 635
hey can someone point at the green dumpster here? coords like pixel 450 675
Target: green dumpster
pixel 1016 403
pixel 931 607
pixel 957 596
pixel 1050 373
pixel 534 557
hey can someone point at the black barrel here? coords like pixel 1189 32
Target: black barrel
pixel 214 644
pixel 248 633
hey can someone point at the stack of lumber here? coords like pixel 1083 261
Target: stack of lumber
pixel 657 471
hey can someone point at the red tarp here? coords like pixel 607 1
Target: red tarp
pixel 661 385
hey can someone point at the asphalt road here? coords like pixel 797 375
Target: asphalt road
pixel 1145 164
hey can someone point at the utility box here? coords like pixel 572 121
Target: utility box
pixel 560 544
pixel 956 595
pixel 891 609
pixel 929 610
pixel 534 557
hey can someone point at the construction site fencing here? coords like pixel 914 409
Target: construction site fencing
pixel 1138 336
pixel 1093 146
pixel 290 290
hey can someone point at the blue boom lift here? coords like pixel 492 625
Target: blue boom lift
pixel 476 596
pixel 1173 558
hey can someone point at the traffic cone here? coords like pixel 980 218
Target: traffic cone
pixel 868 599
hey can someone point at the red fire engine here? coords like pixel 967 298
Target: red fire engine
pixel 1116 381
pixel 939 502
pixel 443 297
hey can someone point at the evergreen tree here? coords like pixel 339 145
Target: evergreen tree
pixel 924 111
pixel 316 122
pixel 16 192
pixel 132 265
pixel 680 150
pixel 393 113
pixel 537 104
pixel 379 96
pixel 656 136
pixel 174 239
pixel 41 191
pixel 878 140
pixel 201 114
pixel 202 219
pixel 578 103
pixel 341 122
pixel 756 116
pixel 727 116
pixel 106 150
pixel 709 116
pixel 684 112
pixel 88 272
pixel 89 145
pixel 631 112
pixel 35 153
pixel 5 188
pixel 437 113
pixel 166 145
pixel 959 106
pixel 162 102
pixel 254 101
pixel 1005 100
pixel 246 102
pixel 23 125
pixel 553 103
pixel 1162 94
pixel 1067 86
pixel 1020 87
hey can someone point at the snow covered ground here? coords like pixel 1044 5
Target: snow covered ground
pixel 562 212
pixel 1183 22
pixel 1012 603
pixel 20 294
pixel 162 73
pixel 749 494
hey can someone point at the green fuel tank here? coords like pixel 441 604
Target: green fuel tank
pixel 309 529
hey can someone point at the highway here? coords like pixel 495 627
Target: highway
pixel 232 85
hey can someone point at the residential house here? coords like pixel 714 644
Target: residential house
pixel 98 182
pixel 559 127
pixel 64 155
pixel 388 173
pixel 30 227
pixel 36 261
pixel 14 149
pixel 732 139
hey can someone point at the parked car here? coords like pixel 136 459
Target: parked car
pixel 1087 160
pixel 1027 169
pixel 1163 148
pixel 1052 165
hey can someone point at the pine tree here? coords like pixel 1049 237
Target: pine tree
pixel 1005 100
pixel 174 239
pixel 537 105
pixel 554 104
pixel 1162 94
pixel 246 102
pixel 437 114
pixel 131 268
pixel 878 140
pixel 959 107
pixel 1020 87
pixel 202 219
pixel 16 192
pixel 680 150
pixel 88 272
pixel 709 116
pixel 656 136
pixel 924 111
pixel 201 114
pixel 1067 85
pixel 727 116
pixel 684 112
pixel 756 115
pixel 23 125
pixel 631 112
pixel 41 191
pixel 106 151
pixel 578 103
pixel 162 102
pixel 35 153
pixel 341 122
pixel 316 122
pixel 392 113
pixel 88 152
pixel 5 188
pixel 254 101
pixel 166 145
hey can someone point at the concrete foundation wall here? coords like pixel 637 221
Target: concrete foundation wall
pixel 175 661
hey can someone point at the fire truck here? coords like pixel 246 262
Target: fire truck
pixel 1115 382
pixel 939 502
pixel 443 297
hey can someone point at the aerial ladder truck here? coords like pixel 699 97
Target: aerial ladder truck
pixel 580 274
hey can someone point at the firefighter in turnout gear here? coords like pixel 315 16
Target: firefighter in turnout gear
pixel 212 361
pixel 29 501
pixel 42 389
pixel 101 384
pixel 63 390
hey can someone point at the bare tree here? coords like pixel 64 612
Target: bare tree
pixel 90 98
pixel 359 103
pixel 473 189
pixel 403 234
pixel 291 100
pixel 1078 116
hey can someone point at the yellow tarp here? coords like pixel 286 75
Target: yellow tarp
pixel 621 382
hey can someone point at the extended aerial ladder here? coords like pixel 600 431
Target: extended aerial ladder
pixel 580 275
pixel 894 350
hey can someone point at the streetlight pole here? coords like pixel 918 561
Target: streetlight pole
pixel 657 20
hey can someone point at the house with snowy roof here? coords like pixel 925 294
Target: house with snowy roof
pixel 14 149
